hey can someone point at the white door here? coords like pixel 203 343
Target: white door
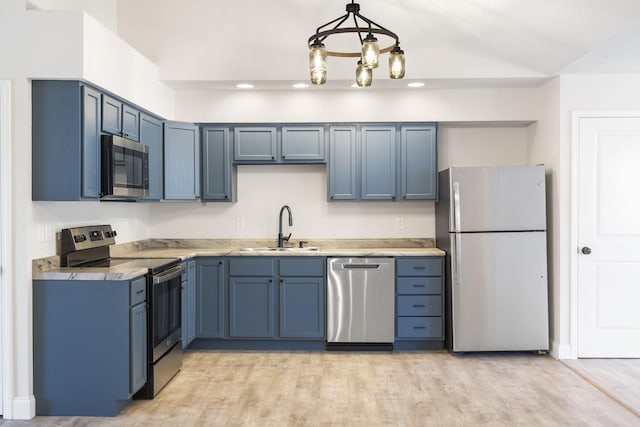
pixel 609 237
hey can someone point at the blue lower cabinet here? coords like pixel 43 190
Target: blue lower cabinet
pixel 210 298
pixel 251 307
pixel 420 300
pixel 89 345
pixel 302 307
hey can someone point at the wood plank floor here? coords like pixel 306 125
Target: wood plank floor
pixel 220 388
pixel 619 378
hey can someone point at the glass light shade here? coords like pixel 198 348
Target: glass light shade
pixel 370 52
pixel 364 75
pixel 396 63
pixel 318 63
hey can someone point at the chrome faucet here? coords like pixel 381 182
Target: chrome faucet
pixel 281 238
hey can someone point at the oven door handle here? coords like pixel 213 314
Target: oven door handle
pixel 168 275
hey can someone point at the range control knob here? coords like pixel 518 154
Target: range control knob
pixel 79 238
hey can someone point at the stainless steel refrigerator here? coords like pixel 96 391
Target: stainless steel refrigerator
pixel 491 221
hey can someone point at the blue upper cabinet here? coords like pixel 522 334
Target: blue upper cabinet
pixel 383 162
pixel 303 144
pixel 218 171
pixel 279 144
pixel 120 119
pixel 342 165
pixel 65 141
pixel 255 144
pixel 90 143
pixel 181 161
pixel 151 135
pixel 419 162
pixel 378 163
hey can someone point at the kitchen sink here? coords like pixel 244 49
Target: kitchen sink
pixel 268 249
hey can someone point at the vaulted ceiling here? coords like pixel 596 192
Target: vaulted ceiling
pixel 448 43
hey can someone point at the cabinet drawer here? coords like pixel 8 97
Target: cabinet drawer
pixel 419 285
pixel 431 266
pixel 243 266
pixel 302 267
pixel 420 327
pixel 138 291
pixel 419 305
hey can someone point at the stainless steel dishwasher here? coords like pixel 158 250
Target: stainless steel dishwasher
pixel 360 303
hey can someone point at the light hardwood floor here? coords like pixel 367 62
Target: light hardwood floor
pixel 220 388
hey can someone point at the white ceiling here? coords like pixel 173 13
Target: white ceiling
pixel 447 43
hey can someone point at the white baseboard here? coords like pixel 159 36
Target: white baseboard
pixel 24 408
pixel 561 351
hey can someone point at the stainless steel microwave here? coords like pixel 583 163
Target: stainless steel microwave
pixel 125 168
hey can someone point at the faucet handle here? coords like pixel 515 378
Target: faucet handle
pixel 286 239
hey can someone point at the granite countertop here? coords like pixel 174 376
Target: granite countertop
pixel 183 249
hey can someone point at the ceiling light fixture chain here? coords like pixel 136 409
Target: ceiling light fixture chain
pixel 369 48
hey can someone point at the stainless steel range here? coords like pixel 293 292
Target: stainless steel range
pixel 89 247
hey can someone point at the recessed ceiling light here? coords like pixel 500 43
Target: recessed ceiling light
pixel 415 84
pixel 244 86
pixel 300 85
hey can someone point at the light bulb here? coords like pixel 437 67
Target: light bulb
pixel 318 63
pixel 364 75
pixel 396 63
pixel 370 51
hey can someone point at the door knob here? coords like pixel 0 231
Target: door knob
pixel 586 250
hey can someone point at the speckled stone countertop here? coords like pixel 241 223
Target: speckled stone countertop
pixel 183 249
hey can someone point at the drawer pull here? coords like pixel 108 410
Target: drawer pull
pixel 418 286
pixel 419 327
pixel 419 268
pixel 140 291
pixel 418 305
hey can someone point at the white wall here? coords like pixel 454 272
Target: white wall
pixel 481 146
pixel 544 148
pixel 263 189
pixel 442 105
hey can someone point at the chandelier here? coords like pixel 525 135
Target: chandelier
pixel 368 53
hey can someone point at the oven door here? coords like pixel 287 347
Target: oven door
pixel 166 310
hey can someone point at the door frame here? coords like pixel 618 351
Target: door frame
pixel 575 214
pixel 6 254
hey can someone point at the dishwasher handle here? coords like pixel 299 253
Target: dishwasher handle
pixel 362 266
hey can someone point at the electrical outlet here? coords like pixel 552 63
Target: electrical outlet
pixel 400 222
pixel 240 223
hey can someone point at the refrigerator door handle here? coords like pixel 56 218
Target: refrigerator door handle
pixel 457 253
pixel 456 206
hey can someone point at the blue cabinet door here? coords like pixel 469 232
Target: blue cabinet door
pixel 378 163
pixel 342 163
pixel 130 123
pixel 191 301
pixel 302 307
pixel 209 298
pixel 419 162
pixel 251 307
pixel 181 161
pixel 151 135
pixel 217 167
pixel 303 144
pixel 255 144
pixel 120 119
pixel 90 143
pixel 138 359
pixel 111 115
